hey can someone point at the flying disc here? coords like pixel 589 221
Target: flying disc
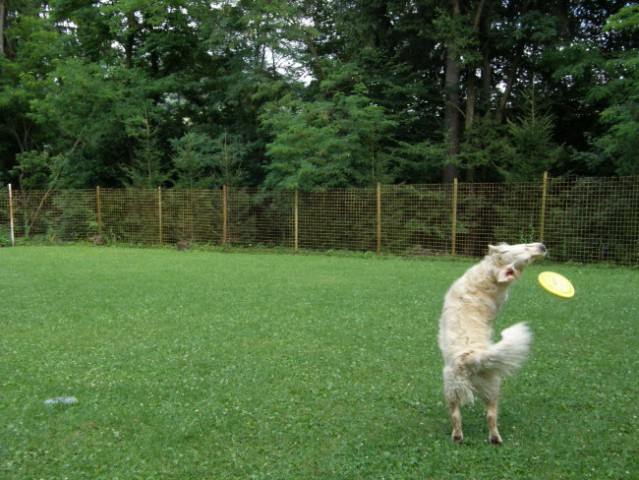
pixel 556 284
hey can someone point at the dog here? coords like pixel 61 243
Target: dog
pixel 473 364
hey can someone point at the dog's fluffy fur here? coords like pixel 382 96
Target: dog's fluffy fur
pixel 472 363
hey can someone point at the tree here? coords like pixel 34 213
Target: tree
pixel 191 161
pixel 146 169
pixel 485 151
pixel 37 171
pixel 452 122
pixel 228 157
pixel 3 16
pixel 338 140
pixel 619 145
pixel 203 162
pixel 102 119
pixel 533 151
pixel 30 49
pixel 40 170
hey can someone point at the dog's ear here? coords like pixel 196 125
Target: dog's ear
pixel 496 249
pixel 507 274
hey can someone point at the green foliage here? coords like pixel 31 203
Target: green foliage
pixel 459 33
pixel 202 162
pixel 314 94
pixel 520 151
pixel 146 170
pixel 602 208
pixel 487 147
pixel 39 170
pixel 22 71
pixel 340 140
pixel 416 219
pixel 72 219
pixel 626 19
pixel 534 151
pixel 619 145
pixel 5 237
pixel 418 162
pixel 191 159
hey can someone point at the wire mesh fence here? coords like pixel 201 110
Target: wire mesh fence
pixel 587 220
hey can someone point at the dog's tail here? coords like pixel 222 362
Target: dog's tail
pixel 510 353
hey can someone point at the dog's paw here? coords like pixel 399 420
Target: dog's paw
pixel 463 358
pixel 467 354
pixel 495 440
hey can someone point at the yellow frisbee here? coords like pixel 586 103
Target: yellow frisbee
pixel 556 284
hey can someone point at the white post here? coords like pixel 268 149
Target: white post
pixel 12 235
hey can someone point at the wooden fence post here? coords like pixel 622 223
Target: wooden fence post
pixel 542 214
pixel 224 215
pixel 12 235
pixel 379 219
pixel 296 220
pixel 99 210
pixel 454 221
pixel 160 214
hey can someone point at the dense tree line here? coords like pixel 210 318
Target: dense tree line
pixel 315 94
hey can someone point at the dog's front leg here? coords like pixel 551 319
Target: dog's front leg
pixel 455 414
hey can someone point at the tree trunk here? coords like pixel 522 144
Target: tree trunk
pixel 2 15
pixel 129 39
pixel 482 24
pixel 471 84
pixel 503 100
pixel 451 114
pixel 471 100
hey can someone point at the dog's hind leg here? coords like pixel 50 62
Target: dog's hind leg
pixel 491 417
pixel 455 414
pixel 458 391
pixel 488 390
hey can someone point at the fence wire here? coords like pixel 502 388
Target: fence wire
pixel 340 219
pixel 587 220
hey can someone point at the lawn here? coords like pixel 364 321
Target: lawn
pixel 202 365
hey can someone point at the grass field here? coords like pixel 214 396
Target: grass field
pixel 200 365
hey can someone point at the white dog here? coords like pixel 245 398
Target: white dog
pixel 473 364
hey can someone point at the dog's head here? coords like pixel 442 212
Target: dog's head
pixel 510 260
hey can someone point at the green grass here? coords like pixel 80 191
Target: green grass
pixel 196 365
